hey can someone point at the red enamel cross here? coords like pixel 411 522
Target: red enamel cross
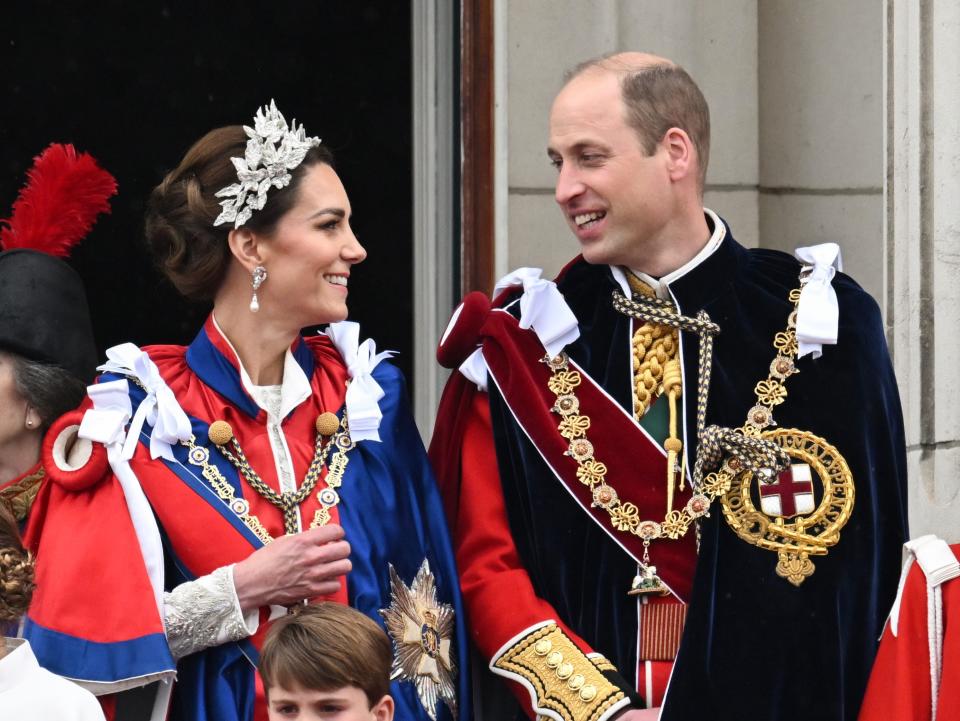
pixel 792 482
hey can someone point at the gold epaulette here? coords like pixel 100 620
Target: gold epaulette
pixel 563 679
pixel 19 496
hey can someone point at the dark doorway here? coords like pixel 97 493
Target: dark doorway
pixel 135 84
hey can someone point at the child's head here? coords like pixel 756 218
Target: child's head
pixel 327 661
pixel 16 571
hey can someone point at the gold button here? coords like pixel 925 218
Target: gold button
pixel 327 423
pixel 542 647
pixel 554 659
pixel 588 693
pixel 220 433
pixel 565 671
pixel 576 682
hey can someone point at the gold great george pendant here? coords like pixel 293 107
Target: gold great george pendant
pixel 794 536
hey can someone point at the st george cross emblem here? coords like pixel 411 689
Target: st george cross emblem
pixel 788 520
pixel 790 494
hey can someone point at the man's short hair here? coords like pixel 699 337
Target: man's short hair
pixel 659 97
pixel 325 647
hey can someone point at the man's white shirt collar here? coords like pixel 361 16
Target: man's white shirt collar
pixel 661 285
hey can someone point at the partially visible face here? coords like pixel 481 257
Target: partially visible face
pixel 345 704
pixel 614 197
pixel 310 255
pixel 13 407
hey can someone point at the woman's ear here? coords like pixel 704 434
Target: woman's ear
pixel 245 245
pixel 33 421
pixel 383 709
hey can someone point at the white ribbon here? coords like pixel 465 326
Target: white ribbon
pixel 542 308
pixel 159 408
pixel 817 313
pixel 363 393
pixel 474 368
pixel 106 422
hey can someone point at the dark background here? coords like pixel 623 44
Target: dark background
pixel 136 84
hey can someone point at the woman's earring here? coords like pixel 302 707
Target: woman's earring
pixel 259 275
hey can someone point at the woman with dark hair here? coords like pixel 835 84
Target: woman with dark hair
pixel 253 470
pixel 47 354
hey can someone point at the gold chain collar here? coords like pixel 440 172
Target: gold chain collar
pixel 752 451
pixel 624 515
pixel 327 425
pixel 288 502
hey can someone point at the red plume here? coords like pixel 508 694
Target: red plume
pixel 60 202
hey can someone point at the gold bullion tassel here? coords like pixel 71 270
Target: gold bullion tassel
pixel 672 386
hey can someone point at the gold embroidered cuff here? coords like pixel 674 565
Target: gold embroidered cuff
pixel 601 662
pixel 562 678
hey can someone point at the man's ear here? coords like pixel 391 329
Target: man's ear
pixel 383 709
pixel 246 247
pixel 681 154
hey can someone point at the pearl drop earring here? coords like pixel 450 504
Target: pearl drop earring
pixel 259 275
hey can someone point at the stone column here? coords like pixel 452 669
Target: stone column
pixel 821 130
pixel 921 229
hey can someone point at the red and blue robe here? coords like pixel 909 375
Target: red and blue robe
pixel 95 617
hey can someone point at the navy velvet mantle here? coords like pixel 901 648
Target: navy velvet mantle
pixel 755 647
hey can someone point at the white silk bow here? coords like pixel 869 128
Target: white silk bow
pixel 363 393
pixel 106 422
pixel 818 313
pixel 543 309
pixel 159 409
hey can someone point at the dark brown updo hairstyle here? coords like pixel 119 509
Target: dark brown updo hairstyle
pixel 184 243
pixel 16 570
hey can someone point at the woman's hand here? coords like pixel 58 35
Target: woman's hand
pixel 293 568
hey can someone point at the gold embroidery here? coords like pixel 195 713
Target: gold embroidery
pixel 21 494
pixel 564 680
pixel 602 663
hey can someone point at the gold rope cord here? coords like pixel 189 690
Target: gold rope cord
pixel 654 344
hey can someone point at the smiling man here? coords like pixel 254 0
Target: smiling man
pixel 681 462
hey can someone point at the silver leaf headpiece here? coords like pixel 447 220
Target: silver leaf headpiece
pixel 273 150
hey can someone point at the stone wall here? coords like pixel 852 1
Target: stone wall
pixel 833 120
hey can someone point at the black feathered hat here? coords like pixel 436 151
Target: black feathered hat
pixel 43 306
